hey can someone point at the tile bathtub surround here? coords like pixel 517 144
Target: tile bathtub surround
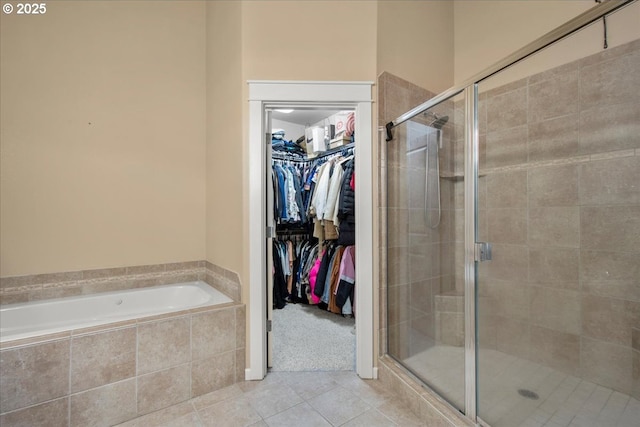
pixel 116 374
pixel 54 285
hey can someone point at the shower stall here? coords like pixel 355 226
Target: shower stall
pixel 513 237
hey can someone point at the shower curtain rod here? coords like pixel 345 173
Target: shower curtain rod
pixel 569 27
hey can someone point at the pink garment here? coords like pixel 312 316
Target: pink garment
pixel 347 267
pixel 352 184
pixel 313 274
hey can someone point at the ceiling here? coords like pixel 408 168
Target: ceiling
pixel 303 117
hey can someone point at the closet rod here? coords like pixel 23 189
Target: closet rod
pixel 299 157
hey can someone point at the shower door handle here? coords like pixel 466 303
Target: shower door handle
pixel 483 251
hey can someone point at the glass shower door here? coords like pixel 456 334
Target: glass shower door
pixel 559 304
pixel 425 281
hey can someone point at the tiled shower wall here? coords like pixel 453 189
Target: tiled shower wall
pixel 560 201
pixel 419 260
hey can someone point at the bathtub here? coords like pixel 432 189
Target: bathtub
pixel 115 356
pixel 36 318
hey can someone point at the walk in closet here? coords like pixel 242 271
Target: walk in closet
pixel 312 281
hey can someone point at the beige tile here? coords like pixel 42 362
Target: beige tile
pixel 553 186
pixel 292 417
pixel 507 190
pixel 232 412
pixel 145 269
pixel 610 127
pixel 212 374
pixel 509 262
pixel 13 297
pixel 609 319
pixel 549 265
pixel 635 339
pixel 339 405
pixel 55 292
pixel 556 309
pixel 398 340
pixel 513 337
pixel 610 228
pixel 610 53
pixel 399 222
pixel 424 323
pixel 554 97
pixel 610 182
pixel 33 374
pixel 635 385
pixel 163 344
pixel 398 304
pixel 450 328
pixel 104 406
pixel 397 187
pixel 241 330
pixel 52 413
pixel 163 417
pixel 398 412
pixel 507 110
pixel 213 333
pixel 612 274
pixel 610 82
pixel 510 299
pixel 487 330
pixel 506 147
pixel 16 281
pixel 240 364
pixel 209 399
pixel 102 358
pixel 107 284
pixel 370 418
pixel 398 266
pixel 164 388
pixel 554 226
pixel 555 349
pixel 607 364
pixel 507 226
pixel 272 399
pixel 420 296
pixel 104 273
pixel 424 261
pixel 553 139
pixel 187 265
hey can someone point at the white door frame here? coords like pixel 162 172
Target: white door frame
pixel 347 95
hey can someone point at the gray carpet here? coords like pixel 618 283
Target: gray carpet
pixel 306 338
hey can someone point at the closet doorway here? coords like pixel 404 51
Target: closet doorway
pixel 307 98
pixel 310 205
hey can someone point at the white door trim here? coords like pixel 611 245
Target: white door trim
pixel 356 95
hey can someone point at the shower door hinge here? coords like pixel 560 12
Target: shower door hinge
pixel 483 251
pixel 268 325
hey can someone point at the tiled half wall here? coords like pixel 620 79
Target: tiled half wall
pixel 122 370
pixel 44 286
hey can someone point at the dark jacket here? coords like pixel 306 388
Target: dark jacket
pixel 347 207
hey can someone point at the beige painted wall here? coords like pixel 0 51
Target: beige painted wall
pixel 415 42
pixel 487 31
pixel 103 136
pixel 225 148
pixel 309 40
pixel 307 47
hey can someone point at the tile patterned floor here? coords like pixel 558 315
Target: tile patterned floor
pixel 564 400
pixel 338 398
